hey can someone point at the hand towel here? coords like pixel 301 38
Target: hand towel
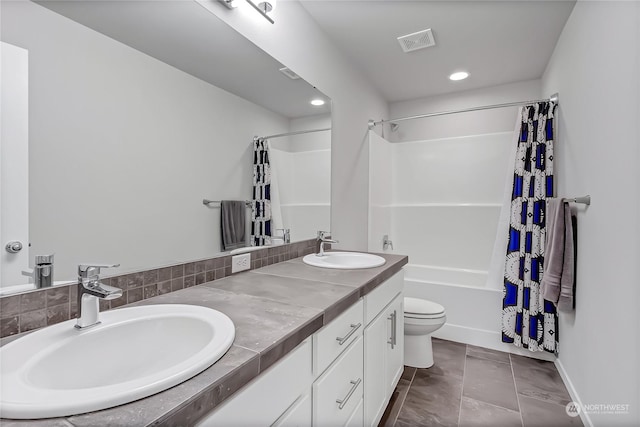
pixel 559 259
pixel 232 220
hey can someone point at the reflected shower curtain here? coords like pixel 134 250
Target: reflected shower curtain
pixel 261 203
pixel 528 320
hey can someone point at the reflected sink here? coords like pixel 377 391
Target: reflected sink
pixel 344 260
pixel 134 353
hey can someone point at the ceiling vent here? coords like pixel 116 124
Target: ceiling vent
pixel 416 41
pixel 287 72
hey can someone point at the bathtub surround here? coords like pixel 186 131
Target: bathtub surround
pixel 528 320
pixel 273 310
pixel 301 165
pixel 44 307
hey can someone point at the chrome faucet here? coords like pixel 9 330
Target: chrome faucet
pixel 90 291
pixel 324 237
pixel 42 273
pixel 286 234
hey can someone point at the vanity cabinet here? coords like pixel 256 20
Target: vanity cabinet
pixel 343 375
pixel 383 351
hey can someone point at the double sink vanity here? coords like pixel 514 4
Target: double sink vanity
pixel 293 344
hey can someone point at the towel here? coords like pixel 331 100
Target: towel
pixel 232 221
pixel 558 279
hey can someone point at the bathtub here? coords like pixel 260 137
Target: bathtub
pixel 473 306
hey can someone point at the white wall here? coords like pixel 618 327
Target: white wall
pixel 296 40
pixel 122 145
pixel 598 154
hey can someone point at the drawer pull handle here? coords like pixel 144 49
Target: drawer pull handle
pixel 394 319
pixel 343 402
pixel 354 328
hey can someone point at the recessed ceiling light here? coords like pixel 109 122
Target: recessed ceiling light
pixel 317 102
pixel 460 75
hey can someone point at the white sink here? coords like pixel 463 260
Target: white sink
pixel 344 260
pixel 134 353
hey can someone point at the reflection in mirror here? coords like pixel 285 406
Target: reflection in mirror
pixel 301 179
pixel 137 111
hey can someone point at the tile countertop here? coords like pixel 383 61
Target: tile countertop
pixel 273 308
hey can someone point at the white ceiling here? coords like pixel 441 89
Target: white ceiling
pixel 497 42
pixel 187 36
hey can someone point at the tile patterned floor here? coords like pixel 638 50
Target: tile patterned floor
pixel 474 386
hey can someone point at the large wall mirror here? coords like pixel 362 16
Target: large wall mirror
pixel 122 116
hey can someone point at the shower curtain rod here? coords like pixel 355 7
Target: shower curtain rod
pixel 553 98
pixel 300 132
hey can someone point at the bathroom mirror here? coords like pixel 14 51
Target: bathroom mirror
pixel 137 111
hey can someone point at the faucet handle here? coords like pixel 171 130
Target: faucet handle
pixel 323 234
pixel 87 270
pixel 44 259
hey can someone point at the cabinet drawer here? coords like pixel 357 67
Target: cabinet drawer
pixel 335 337
pixel 378 299
pixel 290 377
pixel 338 392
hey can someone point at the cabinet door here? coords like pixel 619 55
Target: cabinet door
pixel 356 417
pixel 299 415
pixel 394 363
pixel 375 382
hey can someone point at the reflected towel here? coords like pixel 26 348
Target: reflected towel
pixel 232 221
pixel 559 259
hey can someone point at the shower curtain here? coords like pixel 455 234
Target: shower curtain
pixel 528 320
pixel 261 203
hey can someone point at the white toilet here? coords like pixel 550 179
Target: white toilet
pixel 421 319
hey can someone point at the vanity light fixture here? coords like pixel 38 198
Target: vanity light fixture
pixel 264 7
pixel 317 102
pixel 231 4
pixel 459 75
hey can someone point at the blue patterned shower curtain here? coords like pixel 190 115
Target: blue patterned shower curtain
pixel 261 203
pixel 528 320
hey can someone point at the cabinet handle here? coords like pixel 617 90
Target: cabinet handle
pixel 343 402
pixel 393 340
pixel 354 328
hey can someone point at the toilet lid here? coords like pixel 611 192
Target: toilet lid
pixel 421 306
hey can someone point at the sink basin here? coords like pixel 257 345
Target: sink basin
pixel 344 260
pixel 134 353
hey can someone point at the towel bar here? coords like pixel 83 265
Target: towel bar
pixel 585 200
pixel 209 202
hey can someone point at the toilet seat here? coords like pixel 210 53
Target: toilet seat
pixel 417 308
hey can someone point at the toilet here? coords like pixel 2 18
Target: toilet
pixel 421 319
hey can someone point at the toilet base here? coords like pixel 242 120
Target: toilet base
pixel 418 351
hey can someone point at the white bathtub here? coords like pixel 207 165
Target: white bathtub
pixel 474 308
